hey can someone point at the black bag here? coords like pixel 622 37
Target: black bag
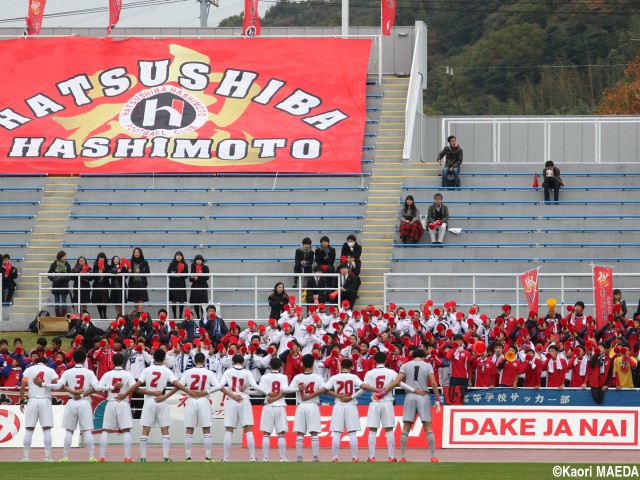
pixel 33 326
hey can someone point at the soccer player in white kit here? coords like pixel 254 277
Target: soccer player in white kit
pixel 156 413
pixel 344 415
pixel 274 415
pixel 38 408
pixel 117 414
pixel 197 412
pixel 416 374
pixel 239 414
pixel 381 412
pixel 78 408
pixel 307 418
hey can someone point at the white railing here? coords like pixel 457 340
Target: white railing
pixel 496 289
pixel 417 83
pixel 254 284
pixel 557 140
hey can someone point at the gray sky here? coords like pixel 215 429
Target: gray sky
pixel 180 13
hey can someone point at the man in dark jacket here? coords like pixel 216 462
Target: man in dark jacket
pixel 452 154
pixel 437 219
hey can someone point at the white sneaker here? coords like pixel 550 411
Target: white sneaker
pixel 284 460
pixel 48 459
pixel 265 460
pixel 253 460
pixel 25 459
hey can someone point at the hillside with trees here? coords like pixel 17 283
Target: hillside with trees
pixel 509 57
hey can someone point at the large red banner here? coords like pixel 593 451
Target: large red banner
pixel 34 16
pixel 251 20
pixel 177 105
pixel 529 282
pixel 602 294
pixel 388 16
pixel 416 435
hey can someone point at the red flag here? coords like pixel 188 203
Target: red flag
pixel 251 23
pixel 602 294
pixel 115 6
pixel 388 16
pixel 529 282
pixel 34 16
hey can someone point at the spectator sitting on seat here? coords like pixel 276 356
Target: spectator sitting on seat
pixel 437 219
pixel 349 285
pixel 316 286
pixel 354 268
pixel 452 154
pixel 303 260
pixel 9 275
pixel 326 255
pixel 551 181
pixel 352 246
pixel 410 227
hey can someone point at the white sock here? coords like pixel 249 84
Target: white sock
pixel 299 440
pixel 26 442
pixel 265 447
pixel 144 441
pixel 335 444
pixel 315 445
pixel 67 443
pixel 391 444
pixel 251 445
pixel 126 439
pixel 166 441
pixel 372 443
pixel 282 446
pixel 353 441
pixel 226 445
pixel 207 445
pixel 404 440
pixel 431 441
pixel 104 441
pixel 88 441
pixel 47 442
pixel 188 443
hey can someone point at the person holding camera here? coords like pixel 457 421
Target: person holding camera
pixel 303 260
pixel 452 155
pixel 552 181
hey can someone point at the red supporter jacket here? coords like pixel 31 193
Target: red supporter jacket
pixel 532 373
pixel 578 380
pixel 509 372
pixel 460 367
pixel 394 362
pixel 361 366
pixel 436 363
pixel 293 366
pixel 104 361
pixel 485 371
pixel 333 364
pixel 555 378
pixel 600 372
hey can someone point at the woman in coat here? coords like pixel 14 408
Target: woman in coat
pixel 178 285
pixel 81 267
pixel 116 295
pixel 60 284
pixel 277 300
pixel 101 284
pixel 137 292
pixel 199 284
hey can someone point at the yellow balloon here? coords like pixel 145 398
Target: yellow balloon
pixel 551 303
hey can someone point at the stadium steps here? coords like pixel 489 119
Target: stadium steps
pixel 46 239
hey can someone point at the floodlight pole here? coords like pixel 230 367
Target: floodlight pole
pixel 204 13
pixel 345 18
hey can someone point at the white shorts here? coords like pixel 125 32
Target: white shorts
pixel 77 411
pixel 273 418
pixel 381 414
pixel 117 416
pixel 345 417
pixel 238 414
pixel 416 405
pixel 155 414
pixel 197 413
pixel 38 409
pixel 307 418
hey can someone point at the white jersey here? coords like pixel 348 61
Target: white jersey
pixel 112 377
pixel 381 377
pixel 312 383
pixel 237 377
pixel 344 384
pixel 80 379
pixel 274 382
pixel 46 374
pixel 156 378
pixel 200 379
pixel 137 362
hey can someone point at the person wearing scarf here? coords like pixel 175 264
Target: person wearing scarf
pixel 60 284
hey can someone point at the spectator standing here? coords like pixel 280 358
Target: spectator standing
pixel 81 267
pixel 9 275
pixel 618 300
pixel 178 285
pixel 303 260
pixel 116 296
pixel 277 300
pixel 452 154
pixel 59 283
pixel 326 255
pixel 101 284
pixel 410 227
pixel 437 219
pixel 138 284
pixel 199 294
pixel 551 181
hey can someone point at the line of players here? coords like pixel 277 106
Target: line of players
pixel 199 382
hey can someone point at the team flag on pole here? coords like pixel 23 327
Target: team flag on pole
pixel 115 7
pixel 34 17
pixel 388 16
pixel 251 23
pixel 529 282
pixel 602 294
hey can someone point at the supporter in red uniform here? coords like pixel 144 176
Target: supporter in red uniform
pixel 509 367
pixel 556 367
pixel 532 369
pixel 600 374
pixel 460 370
pixel 485 371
